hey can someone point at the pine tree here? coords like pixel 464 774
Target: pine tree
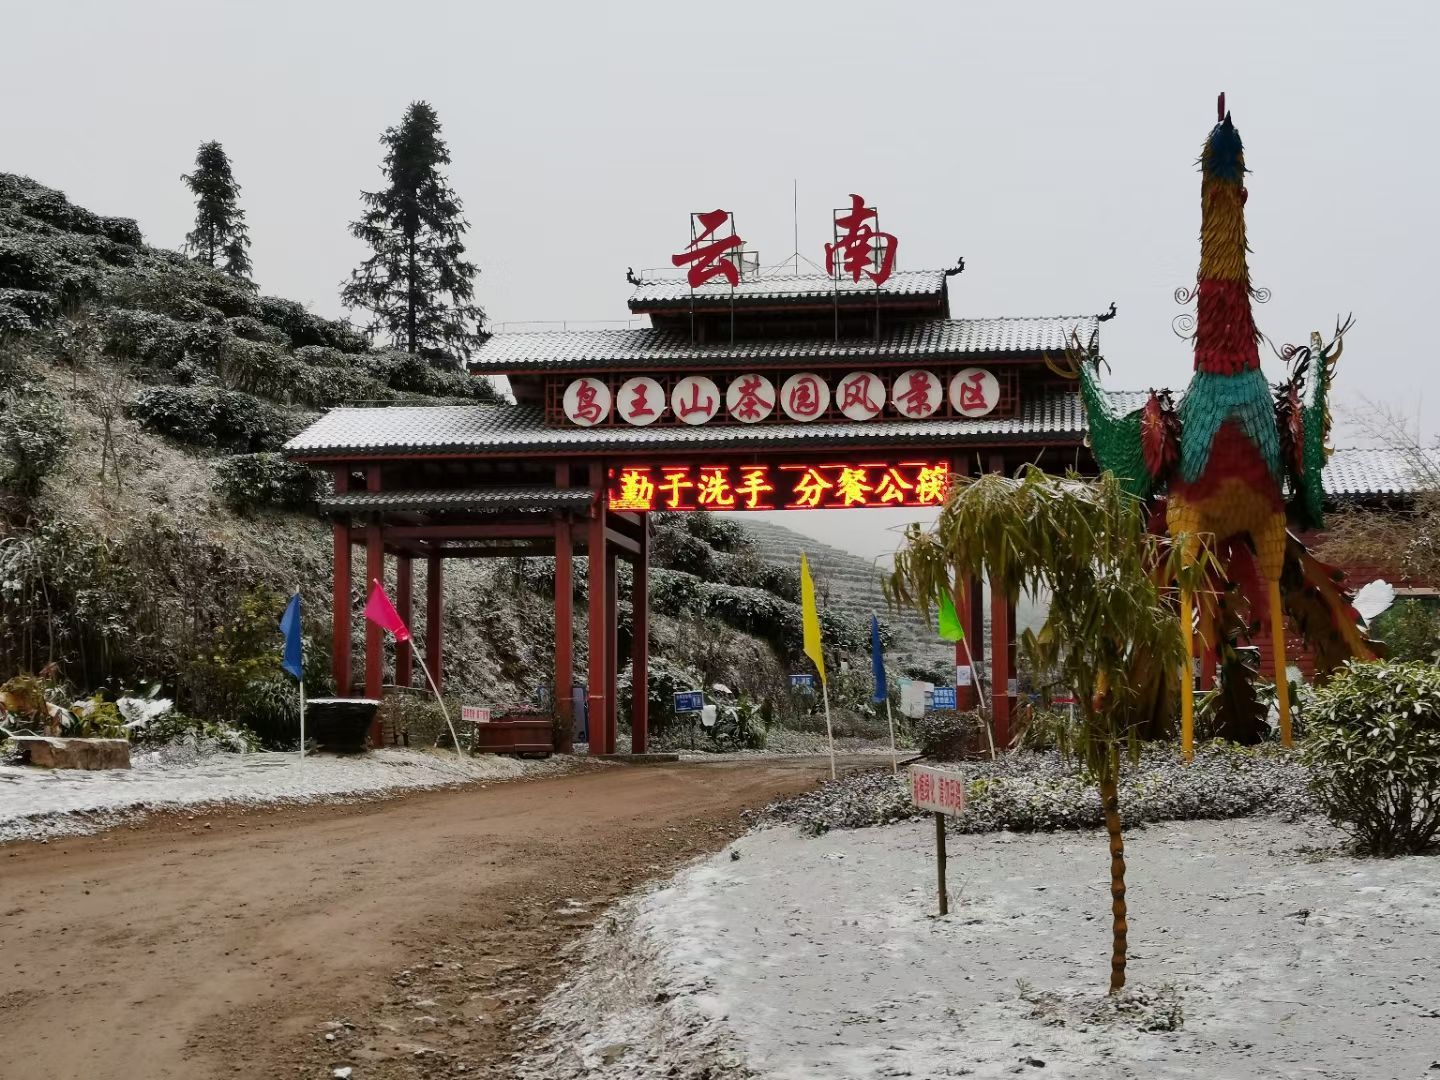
pixel 416 283
pixel 219 239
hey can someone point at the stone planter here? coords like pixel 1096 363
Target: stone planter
pixel 58 753
pixel 340 724
pixel 515 733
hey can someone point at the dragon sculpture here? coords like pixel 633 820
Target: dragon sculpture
pixel 1236 461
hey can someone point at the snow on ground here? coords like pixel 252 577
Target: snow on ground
pixel 39 803
pixel 1277 956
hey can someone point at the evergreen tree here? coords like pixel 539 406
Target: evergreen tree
pixel 416 283
pixel 219 239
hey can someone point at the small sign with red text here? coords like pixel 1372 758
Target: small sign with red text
pixel 475 714
pixel 939 791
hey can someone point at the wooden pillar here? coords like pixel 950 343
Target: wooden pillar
pixel 640 645
pixel 598 708
pixel 612 650
pixel 1209 661
pixel 340 597
pixel 374 635
pixel 434 619
pixel 964 695
pixel 1000 634
pixel 404 579
pixel 564 616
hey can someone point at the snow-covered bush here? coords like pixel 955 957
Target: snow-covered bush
pixel 1024 792
pixel 951 735
pixel 249 481
pixel 33 439
pixel 1373 749
pixel 212 417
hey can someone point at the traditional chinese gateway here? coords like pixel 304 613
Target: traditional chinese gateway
pixel 746 392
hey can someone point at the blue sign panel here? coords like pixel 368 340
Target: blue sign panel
pixel 802 682
pixel 943 697
pixel 689 701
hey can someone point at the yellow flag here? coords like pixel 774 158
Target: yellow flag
pixel 810 618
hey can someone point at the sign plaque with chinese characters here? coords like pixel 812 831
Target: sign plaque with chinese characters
pixel 777 487
pixel 806 396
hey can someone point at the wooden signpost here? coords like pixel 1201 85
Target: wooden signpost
pixel 942 792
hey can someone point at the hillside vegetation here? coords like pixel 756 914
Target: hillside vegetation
pixel 149 529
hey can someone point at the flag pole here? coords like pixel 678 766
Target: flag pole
pixel 443 710
pixel 979 693
pixel 302 719
pixel 894 754
pixel 829 731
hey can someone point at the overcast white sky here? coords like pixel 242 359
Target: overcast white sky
pixel 1050 143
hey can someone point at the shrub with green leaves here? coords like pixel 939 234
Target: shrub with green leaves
pixel 212 417
pixel 249 481
pixel 951 735
pixel 1374 754
pixel 33 439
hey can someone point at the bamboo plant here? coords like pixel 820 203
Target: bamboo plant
pixel 1112 630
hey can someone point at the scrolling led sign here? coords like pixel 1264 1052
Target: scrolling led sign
pixel 777 487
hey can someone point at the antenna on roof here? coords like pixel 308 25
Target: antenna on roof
pixel 795 220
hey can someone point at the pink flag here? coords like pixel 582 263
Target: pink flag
pixel 380 611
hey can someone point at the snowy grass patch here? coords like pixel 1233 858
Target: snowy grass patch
pixel 1249 957
pixel 1038 792
pixel 40 803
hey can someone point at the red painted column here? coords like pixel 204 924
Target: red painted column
pixel 404 580
pixel 340 598
pixel 564 621
pixel 374 636
pixel 434 618
pixel 964 695
pixel 598 708
pixel 1209 661
pixel 612 651
pixel 640 646
pixel 999 646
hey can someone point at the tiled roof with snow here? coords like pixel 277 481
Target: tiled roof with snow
pixel 676 292
pixel 528 498
pixel 936 339
pixel 1359 472
pixel 516 429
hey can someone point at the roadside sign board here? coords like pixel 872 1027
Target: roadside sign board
pixel 689 701
pixel 943 697
pixel 475 714
pixel 939 791
pixel 802 682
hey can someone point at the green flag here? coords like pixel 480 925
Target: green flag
pixel 950 628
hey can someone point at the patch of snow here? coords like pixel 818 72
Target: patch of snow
pixel 40 803
pixel 1257 950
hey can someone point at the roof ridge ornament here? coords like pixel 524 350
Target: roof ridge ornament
pixel 958 268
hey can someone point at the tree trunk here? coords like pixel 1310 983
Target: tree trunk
pixel 1110 800
pixel 410 295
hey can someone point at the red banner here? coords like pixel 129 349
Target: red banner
pixel 778 487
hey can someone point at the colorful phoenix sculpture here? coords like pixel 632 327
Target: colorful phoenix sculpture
pixel 1237 462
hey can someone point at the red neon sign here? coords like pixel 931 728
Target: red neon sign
pixel 778 487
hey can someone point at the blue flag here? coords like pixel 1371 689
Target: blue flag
pixel 877 660
pixel 292 660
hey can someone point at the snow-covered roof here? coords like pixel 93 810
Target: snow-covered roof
pixel 1358 472
pixel 529 498
pixel 516 429
pixel 642 347
pixel 676 292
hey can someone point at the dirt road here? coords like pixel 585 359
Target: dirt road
pixel 223 945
